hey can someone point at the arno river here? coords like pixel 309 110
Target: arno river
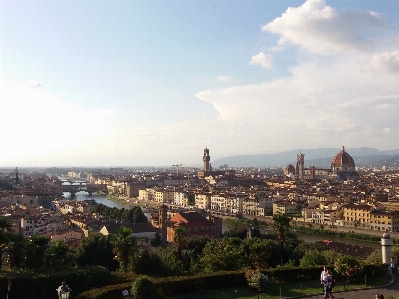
pixel 306 237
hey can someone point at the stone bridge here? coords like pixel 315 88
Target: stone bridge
pixel 89 188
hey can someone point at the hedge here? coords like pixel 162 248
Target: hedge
pixel 42 283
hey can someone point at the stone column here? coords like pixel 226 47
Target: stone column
pixel 386 246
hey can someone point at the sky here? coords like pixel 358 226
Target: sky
pixel 153 83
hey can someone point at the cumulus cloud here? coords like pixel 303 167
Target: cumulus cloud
pixel 388 61
pixel 318 105
pixel 265 60
pixel 224 78
pixel 322 29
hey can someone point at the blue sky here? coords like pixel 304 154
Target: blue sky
pixel 87 83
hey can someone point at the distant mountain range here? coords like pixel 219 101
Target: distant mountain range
pixel 322 157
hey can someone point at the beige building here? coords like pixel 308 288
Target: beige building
pixel 203 201
pixel 357 215
pixel 286 207
pixel 384 220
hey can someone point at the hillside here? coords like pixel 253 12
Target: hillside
pixel 321 157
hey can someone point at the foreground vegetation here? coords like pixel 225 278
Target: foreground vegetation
pixel 277 291
pixel 112 263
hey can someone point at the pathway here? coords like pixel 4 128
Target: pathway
pixel 391 289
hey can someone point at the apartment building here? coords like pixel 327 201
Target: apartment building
pixel 384 220
pixel 203 201
pixel 163 196
pixel 357 215
pixel 180 198
pixel 286 207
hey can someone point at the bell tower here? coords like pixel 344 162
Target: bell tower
pixel 206 158
pixel 300 166
pixel 162 223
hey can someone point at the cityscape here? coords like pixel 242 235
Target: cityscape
pixel 199 149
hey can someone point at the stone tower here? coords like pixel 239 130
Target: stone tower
pixel 300 166
pixel 163 224
pixel 206 158
pixel 16 176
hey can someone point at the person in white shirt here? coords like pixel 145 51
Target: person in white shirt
pixel 323 278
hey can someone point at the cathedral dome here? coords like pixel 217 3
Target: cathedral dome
pixel 289 170
pixel 342 161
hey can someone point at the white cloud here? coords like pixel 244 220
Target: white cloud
pixel 38 125
pixel 265 60
pixel 387 131
pixel 318 105
pixel 322 29
pixel 224 78
pixel 388 61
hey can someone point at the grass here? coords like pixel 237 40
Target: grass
pixel 288 289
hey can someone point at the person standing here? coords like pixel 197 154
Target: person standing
pixel 323 279
pixel 393 266
pixel 330 284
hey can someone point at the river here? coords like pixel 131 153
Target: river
pixel 309 238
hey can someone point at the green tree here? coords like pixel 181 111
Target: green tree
pixel 178 239
pixel 374 258
pixel 191 199
pixel 257 252
pixel 313 258
pixel 222 255
pixel 14 252
pixel 138 216
pixel 281 223
pixel 255 223
pixel 57 255
pixel 5 234
pixel 157 240
pixel 124 246
pixel 348 268
pixel 143 288
pixel 35 248
pixel 96 250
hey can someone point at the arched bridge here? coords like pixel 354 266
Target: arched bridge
pixel 89 188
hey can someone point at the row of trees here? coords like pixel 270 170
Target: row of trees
pixel 133 215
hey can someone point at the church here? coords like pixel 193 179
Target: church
pixel 342 167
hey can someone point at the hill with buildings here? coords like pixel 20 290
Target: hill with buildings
pixel 321 157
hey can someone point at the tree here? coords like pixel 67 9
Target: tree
pixel 257 280
pixel 281 223
pixel 257 251
pixel 96 250
pixel 348 268
pixel 222 255
pixel 313 258
pixel 143 288
pixel 35 248
pixel 157 240
pixel 179 239
pixel 124 246
pixel 255 223
pixel 5 233
pixel 57 255
pixel 14 251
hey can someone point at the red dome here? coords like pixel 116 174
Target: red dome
pixel 343 159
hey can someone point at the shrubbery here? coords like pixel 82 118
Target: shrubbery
pixel 143 288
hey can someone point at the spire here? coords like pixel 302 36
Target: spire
pixel 342 148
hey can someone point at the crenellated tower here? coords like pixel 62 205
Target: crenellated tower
pixel 206 158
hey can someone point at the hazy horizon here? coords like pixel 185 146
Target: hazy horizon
pixel 155 82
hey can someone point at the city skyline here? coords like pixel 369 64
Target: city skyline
pixel 142 83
